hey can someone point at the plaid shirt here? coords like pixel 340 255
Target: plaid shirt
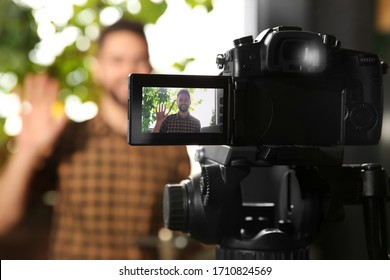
pixel 176 124
pixel 110 194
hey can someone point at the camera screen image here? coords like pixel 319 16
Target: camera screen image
pixel 182 110
pixel 177 109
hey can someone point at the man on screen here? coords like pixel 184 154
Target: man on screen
pixel 182 121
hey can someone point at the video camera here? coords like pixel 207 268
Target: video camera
pixel 288 87
pixel 283 107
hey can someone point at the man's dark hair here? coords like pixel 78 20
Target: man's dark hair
pixel 122 25
pixel 183 91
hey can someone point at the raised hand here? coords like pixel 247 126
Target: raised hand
pixel 41 125
pixel 161 112
pixel 41 128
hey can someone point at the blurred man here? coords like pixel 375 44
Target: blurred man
pixel 110 194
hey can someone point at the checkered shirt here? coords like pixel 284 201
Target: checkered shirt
pixel 176 124
pixel 110 194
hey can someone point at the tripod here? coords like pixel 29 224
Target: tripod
pixel 315 181
pixel 212 207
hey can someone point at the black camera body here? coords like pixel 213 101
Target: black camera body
pixel 287 87
pixel 295 87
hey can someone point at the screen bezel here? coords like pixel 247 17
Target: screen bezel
pixel 137 82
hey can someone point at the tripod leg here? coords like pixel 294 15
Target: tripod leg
pixel 375 225
pixel 375 189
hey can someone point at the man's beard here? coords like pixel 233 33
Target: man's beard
pixel 117 100
pixel 183 108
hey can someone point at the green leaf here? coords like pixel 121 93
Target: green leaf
pixel 150 11
pixel 208 4
pixel 17 37
pixel 181 66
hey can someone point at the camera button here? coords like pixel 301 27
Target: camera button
pixel 363 117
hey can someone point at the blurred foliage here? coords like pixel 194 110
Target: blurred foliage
pixel 18 35
pixel 151 98
pixel 20 39
pixel 208 4
pixel 181 66
pixel 19 32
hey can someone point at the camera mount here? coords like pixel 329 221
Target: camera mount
pixel 213 209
